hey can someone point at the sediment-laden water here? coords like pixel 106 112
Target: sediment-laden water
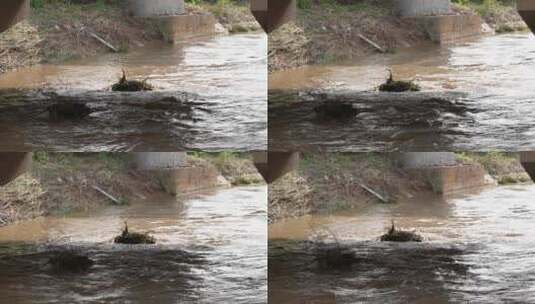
pixel 477 248
pixel 227 74
pixel 496 73
pixel 210 249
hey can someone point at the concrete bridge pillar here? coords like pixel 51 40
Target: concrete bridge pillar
pixel 173 172
pixel 155 8
pixel 273 13
pixel 526 9
pixel 159 160
pixel 413 8
pixel 412 160
pixel 274 165
pixel 13 11
pixel 527 159
pixel 175 24
pixel 442 171
pixel 13 164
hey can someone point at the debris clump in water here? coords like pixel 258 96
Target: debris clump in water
pixel 68 111
pixel 395 235
pixel 125 85
pixel 127 237
pixel 333 110
pixel 398 86
pixel 70 261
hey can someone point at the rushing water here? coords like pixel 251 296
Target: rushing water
pixel 210 249
pixel 496 73
pixel 477 249
pixel 226 72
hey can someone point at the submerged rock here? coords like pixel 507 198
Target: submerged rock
pixel 127 237
pixel 395 235
pixel 70 261
pixel 392 85
pixel 68 111
pixel 125 85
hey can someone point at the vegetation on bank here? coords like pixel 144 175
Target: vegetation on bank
pixel 504 167
pixel 329 31
pixel 501 15
pixel 330 182
pixel 61 30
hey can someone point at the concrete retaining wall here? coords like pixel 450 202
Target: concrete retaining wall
pixel 452 28
pixel 188 179
pixel 177 28
pixel 452 179
pixel 159 160
pixel 411 8
pixel 427 159
pixel 156 8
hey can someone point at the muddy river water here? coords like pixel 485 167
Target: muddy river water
pixel 226 73
pixel 478 248
pixel 496 73
pixel 210 249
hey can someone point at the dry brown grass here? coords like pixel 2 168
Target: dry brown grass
pixel 323 35
pixel 21 199
pixel 19 47
pixel 329 182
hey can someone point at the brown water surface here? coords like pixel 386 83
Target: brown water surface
pixel 496 73
pixel 478 248
pixel 210 249
pixel 228 73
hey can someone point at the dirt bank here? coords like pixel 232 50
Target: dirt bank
pixel 61 183
pixel 328 31
pixel 334 181
pixel 57 31
pixel 325 183
pixel 502 16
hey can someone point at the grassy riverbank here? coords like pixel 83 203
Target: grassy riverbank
pixel 501 15
pixel 331 31
pixel 59 30
pixel 62 183
pixel 326 183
